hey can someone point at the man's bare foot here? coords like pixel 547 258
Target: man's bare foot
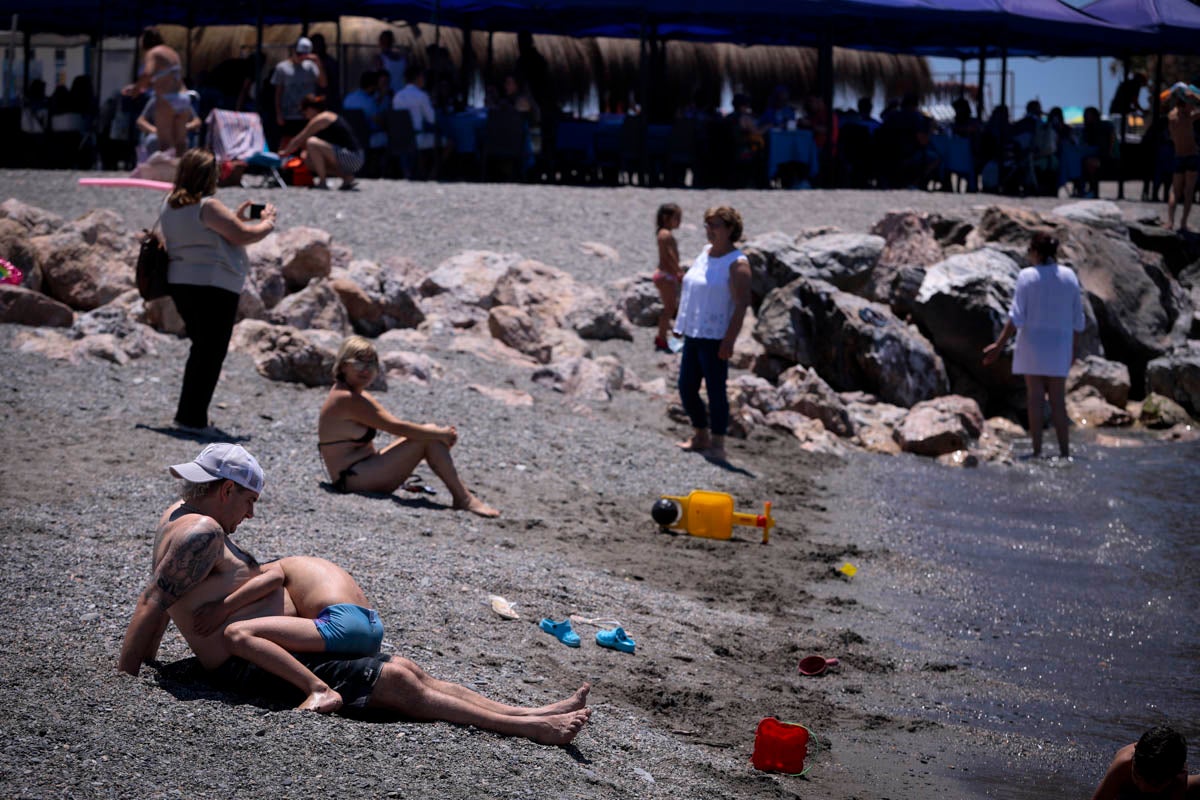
pixel 559 729
pixel 324 702
pixel 575 702
pixel 475 506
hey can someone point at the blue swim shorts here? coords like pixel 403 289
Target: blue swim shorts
pixel 348 628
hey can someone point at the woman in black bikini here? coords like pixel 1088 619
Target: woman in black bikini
pixel 347 426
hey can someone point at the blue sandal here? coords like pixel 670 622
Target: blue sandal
pixel 616 639
pixel 561 631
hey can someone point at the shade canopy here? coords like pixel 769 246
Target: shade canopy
pixel 958 28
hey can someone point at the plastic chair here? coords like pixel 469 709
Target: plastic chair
pixel 238 136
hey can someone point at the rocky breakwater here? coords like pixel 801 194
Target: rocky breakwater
pixel 869 341
pixel 893 324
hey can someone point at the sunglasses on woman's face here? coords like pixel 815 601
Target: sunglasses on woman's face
pixel 364 363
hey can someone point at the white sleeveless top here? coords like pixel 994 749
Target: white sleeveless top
pixel 199 256
pixel 706 305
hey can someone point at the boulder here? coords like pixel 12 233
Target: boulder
pixel 24 307
pixel 518 330
pixel 470 278
pixel 283 353
pixel 16 250
pixel 413 367
pixel 1142 311
pixel 812 436
pixel 1087 408
pixel 583 378
pixel 753 392
pixel 746 349
pixel 851 342
pixel 111 333
pixel 565 344
pixel 963 304
pixel 391 289
pixel 595 317
pixel 1178 252
pixel 266 270
pixel 1003 428
pixel 940 426
pixel 509 397
pixel 1094 213
pixel 250 303
pixel 638 298
pixel 1111 378
pixel 1010 226
pixel 601 251
pixel 162 315
pixel 1158 411
pixel 802 390
pixel 315 306
pixel 304 254
pixel 843 259
pixel 950 231
pixel 36 221
pixel 909 247
pixel 1176 375
pixel 363 310
pixel 88 262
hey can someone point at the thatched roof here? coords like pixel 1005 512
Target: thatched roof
pixel 692 70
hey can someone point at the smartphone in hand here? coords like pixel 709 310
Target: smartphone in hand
pixel 256 210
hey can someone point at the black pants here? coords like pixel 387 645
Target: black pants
pixel 209 314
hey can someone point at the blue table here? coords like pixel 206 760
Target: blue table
pixel 785 146
pixel 464 129
pixel 577 136
pixel 957 159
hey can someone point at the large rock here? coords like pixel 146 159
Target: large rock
pixel 304 254
pixel 874 421
pixel 518 330
pixel 909 247
pixel 110 333
pixel 1177 376
pixel 88 262
pixel 940 426
pixel 1087 408
pixel 162 315
pixel 1142 311
pixel 843 259
pixel 470 278
pixel 361 308
pixel 266 270
pixel 639 300
pixel 583 378
pixel 851 342
pixel 36 221
pixel 391 292
pixel 1094 213
pixel 802 390
pixel 1110 378
pixel 1178 252
pixel 1162 412
pixel 962 305
pixel 24 307
pixel 316 306
pixel 283 353
pixel 1007 225
pixel 811 435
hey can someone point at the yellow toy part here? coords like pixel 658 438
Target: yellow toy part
pixel 711 515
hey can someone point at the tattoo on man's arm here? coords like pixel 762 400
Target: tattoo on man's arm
pixel 185 565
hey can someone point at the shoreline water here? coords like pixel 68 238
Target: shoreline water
pixel 924 705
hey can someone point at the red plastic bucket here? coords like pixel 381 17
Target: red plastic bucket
pixel 780 747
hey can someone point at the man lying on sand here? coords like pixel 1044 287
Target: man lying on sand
pixel 1155 767
pixel 195 563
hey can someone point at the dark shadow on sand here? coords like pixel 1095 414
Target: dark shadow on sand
pixel 729 466
pixel 207 437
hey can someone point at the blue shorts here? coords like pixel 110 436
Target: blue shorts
pixel 347 628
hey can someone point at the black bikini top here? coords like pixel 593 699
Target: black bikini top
pixel 367 436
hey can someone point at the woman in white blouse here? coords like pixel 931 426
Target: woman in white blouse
pixel 716 293
pixel 1047 318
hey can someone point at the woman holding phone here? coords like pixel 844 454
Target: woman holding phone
pixel 207 268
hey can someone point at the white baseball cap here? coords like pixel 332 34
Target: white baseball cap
pixel 304 45
pixel 223 461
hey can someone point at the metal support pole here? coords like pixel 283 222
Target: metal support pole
pixel 962 79
pixel 644 91
pixel 1004 79
pixel 982 80
pixel 1124 126
pixel 262 110
pixel 825 82
pixel 337 32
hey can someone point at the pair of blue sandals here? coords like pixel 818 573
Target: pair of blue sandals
pixel 615 639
